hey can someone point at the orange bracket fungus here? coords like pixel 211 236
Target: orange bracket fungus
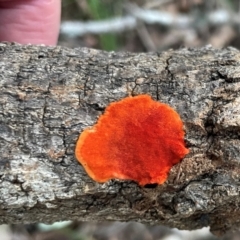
pixel 136 138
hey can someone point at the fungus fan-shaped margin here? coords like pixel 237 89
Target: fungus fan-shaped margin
pixel 136 138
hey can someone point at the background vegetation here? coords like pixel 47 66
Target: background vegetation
pixel 219 30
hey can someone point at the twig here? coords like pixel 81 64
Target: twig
pixel 156 3
pixel 78 28
pixel 145 37
pixel 157 17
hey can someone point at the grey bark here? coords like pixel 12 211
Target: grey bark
pixel 48 95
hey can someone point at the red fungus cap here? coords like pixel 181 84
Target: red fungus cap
pixel 136 138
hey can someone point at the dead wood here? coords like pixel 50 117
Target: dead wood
pixel 48 95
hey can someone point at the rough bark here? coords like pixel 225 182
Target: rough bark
pixel 50 94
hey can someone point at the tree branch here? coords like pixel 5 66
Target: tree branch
pixel 50 94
